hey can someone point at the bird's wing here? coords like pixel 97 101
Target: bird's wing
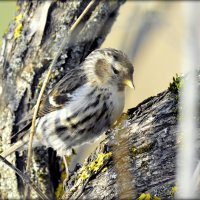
pixel 62 92
pixel 58 97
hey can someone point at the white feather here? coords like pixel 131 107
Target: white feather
pixel 118 98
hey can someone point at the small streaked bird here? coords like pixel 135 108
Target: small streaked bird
pixel 83 104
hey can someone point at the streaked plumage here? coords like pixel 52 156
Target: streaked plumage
pixel 83 104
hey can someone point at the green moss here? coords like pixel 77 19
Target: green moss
pixel 176 84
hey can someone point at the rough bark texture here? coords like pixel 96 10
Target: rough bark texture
pixel 28 48
pixel 143 155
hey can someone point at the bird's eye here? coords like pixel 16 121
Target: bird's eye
pixel 115 70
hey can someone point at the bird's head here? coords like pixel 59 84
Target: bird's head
pixel 109 66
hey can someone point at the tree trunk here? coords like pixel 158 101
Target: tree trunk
pixel 29 46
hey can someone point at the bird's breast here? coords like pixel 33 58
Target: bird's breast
pixel 90 112
pixel 118 105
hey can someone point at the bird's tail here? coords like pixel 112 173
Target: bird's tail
pixel 15 147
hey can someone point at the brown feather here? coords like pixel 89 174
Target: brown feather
pixel 60 95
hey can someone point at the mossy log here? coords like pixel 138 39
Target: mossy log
pixel 29 46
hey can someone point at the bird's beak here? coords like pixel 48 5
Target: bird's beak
pixel 129 83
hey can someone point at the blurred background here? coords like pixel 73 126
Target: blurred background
pixel 150 32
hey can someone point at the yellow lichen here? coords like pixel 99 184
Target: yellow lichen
pixel 68 158
pixel 18 30
pixel 144 196
pixel 173 190
pixel 59 191
pixel 104 169
pixel 94 166
pixel 18 18
pixel 19 25
pixel 17 8
pixel 84 173
pixel 134 150
pixel 156 198
pixel 98 162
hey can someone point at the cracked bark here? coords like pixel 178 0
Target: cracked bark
pixel 28 48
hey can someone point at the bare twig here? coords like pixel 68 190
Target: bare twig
pixel 32 131
pixel 25 178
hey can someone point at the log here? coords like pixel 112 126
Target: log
pixel 28 48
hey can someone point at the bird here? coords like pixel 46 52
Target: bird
pixel 85 103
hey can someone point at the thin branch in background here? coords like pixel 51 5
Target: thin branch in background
pixel 25 178
pixel 32 131
pixel 187 158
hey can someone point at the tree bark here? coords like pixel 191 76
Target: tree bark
pixel 28 48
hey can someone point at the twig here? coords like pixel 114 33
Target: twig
pixel 25 178
pixel 32 131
